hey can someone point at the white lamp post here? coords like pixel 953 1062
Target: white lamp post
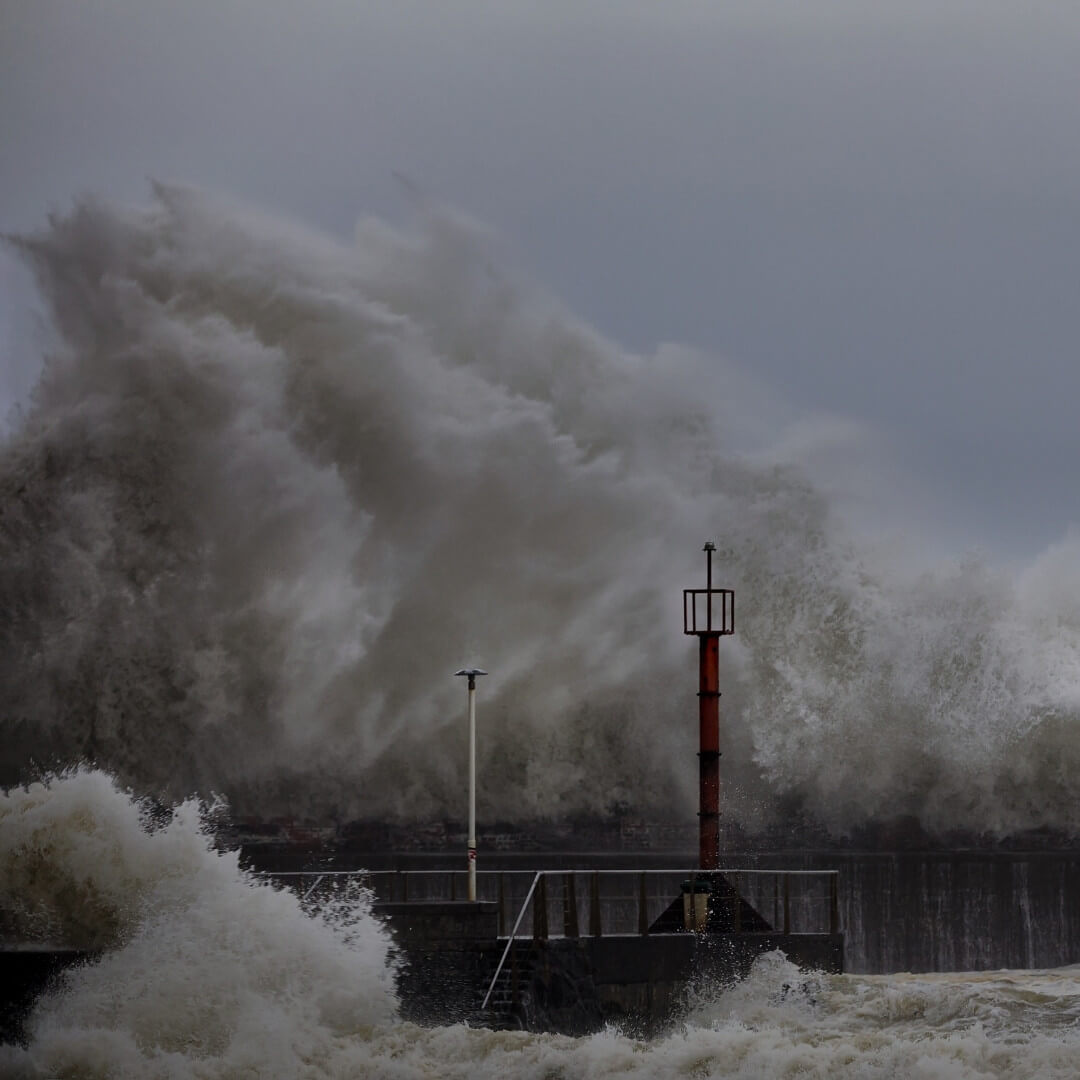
pixel 472 673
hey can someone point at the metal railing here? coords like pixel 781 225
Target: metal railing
pixel 753 887
pixel 592 902
pixel 613 902
pixel 512 938
pixel 502 887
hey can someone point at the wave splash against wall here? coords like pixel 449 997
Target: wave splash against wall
pixel 271 490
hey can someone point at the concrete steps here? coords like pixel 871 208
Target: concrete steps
pixel 505 1010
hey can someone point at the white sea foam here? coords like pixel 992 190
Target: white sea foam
pixel 210 974
pixel 205 971
pixel 272 489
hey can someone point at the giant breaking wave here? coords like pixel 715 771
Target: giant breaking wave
pixel 271 490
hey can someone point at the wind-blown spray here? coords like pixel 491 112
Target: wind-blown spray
pixel 270 488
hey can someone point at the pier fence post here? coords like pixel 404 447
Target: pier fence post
pixel 570 916
pixel 643 904
pixel 595 929
pixel 502 903
pixel 540 910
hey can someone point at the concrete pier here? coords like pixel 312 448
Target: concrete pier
pixel 641 983
pixel 573 985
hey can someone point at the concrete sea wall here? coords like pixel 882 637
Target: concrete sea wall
pixel 908 910
pixel 953 910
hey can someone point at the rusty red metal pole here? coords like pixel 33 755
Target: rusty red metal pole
pixel 709 754
pixel 709 704
pixel 709 733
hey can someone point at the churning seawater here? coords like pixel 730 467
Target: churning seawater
pixel 206 972
pixel 262 472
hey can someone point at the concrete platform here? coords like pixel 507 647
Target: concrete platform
pixel 450 953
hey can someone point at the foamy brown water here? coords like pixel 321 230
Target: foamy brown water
pixel 210 974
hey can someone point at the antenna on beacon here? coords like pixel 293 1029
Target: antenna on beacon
pixel 471 674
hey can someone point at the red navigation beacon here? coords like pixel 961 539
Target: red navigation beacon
pixel 710 614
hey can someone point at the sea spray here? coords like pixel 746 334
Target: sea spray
pixel 203 970
pixel 272 489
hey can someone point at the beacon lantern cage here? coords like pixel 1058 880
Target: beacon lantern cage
pixel 709 610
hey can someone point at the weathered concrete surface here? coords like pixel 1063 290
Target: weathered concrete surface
pixel 447 953
pixel 958 911
pixel 578 985
pixel 951 910
pixel 913 909
pixel 444 921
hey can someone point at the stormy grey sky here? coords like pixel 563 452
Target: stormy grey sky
pixel 874 208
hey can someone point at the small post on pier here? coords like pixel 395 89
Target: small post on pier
pixel 709 626
pixel 472 673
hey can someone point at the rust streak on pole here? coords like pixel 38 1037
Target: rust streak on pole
pixel 709 725
pixel 709 756
pixel 708 587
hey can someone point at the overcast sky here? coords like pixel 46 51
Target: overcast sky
pixel 873 206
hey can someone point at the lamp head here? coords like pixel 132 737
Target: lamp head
pixel 471 672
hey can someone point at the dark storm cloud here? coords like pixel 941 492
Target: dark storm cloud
pixel 873 207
